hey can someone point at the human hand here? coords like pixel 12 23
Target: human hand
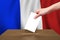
pixel 41 12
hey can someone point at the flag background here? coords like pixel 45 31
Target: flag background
pixel 9 15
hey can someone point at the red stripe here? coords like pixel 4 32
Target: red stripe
pixel 52 20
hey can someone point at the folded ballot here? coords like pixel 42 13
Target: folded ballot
pixel 32 23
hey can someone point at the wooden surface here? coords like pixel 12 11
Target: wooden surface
pixel 26 35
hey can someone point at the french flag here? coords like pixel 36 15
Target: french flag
pixel 14 14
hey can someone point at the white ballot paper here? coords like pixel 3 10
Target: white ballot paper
pixel 32 23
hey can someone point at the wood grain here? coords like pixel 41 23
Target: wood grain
pixel 27 35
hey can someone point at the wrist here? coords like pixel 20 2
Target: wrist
pixel 50 9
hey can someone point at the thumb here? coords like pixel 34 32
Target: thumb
pixel 37 16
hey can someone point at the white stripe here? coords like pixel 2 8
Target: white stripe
pixel 28 6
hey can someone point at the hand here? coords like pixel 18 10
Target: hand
pixel 41 12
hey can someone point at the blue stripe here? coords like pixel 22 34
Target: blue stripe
pixel 9 15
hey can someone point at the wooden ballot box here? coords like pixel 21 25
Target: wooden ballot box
pixel 27 35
